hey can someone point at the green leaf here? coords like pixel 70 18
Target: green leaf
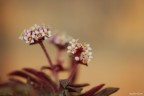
pixel 64 93
pixel 107 91
pixel 64 83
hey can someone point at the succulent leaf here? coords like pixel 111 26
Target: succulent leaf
pixel 93 90
pixel 107 91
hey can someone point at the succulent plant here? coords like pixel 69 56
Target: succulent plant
pixel 32 82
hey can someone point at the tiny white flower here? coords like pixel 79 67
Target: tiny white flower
pixel 90 53
pixel 87 47
pixel 77 58
pixel 85 57
pixel 73 41
pixel 69 47
pixel 21 37
pixel 47 34
pixel 45 30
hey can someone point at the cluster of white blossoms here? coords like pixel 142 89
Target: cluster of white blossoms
pixel 81 51
pixel 35 34
pixel 60 39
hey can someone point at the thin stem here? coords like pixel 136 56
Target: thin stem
pixel 73 64
pixel 46 54
pixel 73 72
pixel 56 78
pixel 59 56
pixel 50 62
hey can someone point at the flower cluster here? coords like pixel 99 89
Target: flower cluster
pixel 61 41
pixel 81 51
pixel 35 34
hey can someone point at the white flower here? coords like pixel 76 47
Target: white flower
pixel 73 41
pixel 80 51
pixel 87 47
pixel 35 33
pixel 39 34
pixel 86 57
pixel 77 58
pixel 47 34
pixel 28 36
pixel 73 46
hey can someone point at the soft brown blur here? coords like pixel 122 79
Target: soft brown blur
pixel 114 28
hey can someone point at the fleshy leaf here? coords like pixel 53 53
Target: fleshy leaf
pixel 107 91
pixel 57 67
pixel 42 76
pixel 78 85
pixel 38 74
pixel 16 80
pixel 23 75
pixel 93 90
pixel 73 89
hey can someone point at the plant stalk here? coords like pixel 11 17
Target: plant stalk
pixel 50 62
pixel 46 54
pixel 59 56
pixel 73 72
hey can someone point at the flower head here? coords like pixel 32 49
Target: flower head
pixel 61 41
pixel 80 51
pixel 35 34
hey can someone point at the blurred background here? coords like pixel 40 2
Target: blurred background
pixel 114 28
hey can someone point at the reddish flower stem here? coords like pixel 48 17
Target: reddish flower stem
pixel 73 71
pixel 50 62
pixel 59 56
pixel 46 54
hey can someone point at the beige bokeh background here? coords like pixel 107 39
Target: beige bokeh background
pixel 114 28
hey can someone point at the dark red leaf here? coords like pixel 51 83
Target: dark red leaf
pixel 78 85
pixel 24 75
pixel 16 80
pixel 4 84
pixel 107 91
pixel 73 89
pixel 42 76
pixel 93 90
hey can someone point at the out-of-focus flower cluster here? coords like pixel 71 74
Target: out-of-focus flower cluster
pixel 61 41
pixel 35 34
pixel 80 51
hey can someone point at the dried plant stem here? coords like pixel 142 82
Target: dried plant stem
pixel 50 62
